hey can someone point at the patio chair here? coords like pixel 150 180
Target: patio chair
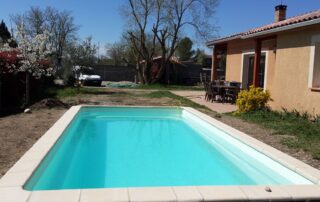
pixel 231 94
pixel 235 83
pixel 214 92
pixel 218 82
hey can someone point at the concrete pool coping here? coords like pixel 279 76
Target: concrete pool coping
pixel 11 184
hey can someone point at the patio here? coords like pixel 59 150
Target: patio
pixel 199 97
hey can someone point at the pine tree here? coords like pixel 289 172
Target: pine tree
pixel 4 32
pixel 184 49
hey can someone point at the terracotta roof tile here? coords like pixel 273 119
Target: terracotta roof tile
pixel 293 20
pixel 290 21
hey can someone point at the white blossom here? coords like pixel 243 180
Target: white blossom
pixel 34 52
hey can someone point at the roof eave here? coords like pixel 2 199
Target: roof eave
pixel 211 44
pixel 283 28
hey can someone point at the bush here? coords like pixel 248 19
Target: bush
pixel 252 99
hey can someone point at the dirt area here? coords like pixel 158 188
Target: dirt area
pixel 19 132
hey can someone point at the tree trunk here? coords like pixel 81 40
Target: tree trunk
pixel 27 89
pixel 140 74
pixel 147 72
pixel 163 66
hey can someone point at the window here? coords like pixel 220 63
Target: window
pixel 314 71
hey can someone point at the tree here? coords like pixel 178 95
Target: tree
pixel 4 32
pixel 138 14
pixel 60 25
pixel 81 54
pixel 84 53
pixel 199 56
pixel 177 15
pixel 117 53
pixel 5 35
pixel 34 52
pixel 184 49
pixel 166 19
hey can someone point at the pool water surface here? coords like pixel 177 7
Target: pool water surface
pixel 106 147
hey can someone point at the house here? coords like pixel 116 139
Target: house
pixel 282 57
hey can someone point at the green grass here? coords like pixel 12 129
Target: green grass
pixel 299 131
pixel 167 87
pixel 62 92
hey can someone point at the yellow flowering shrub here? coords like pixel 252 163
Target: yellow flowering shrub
pixel 252 99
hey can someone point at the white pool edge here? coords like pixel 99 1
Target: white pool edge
pixel 11 184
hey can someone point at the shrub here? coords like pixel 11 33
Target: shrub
pixel 252 99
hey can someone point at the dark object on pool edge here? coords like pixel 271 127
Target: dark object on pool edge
pixel 268 189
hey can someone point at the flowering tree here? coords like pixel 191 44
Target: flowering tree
pixel 35 55
pixel 32 57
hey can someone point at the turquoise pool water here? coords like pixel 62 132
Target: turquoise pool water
pixel 143 147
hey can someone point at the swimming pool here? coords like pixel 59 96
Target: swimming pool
pixel 108 153
pixel 152 147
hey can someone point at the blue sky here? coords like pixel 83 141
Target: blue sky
pixel 101 18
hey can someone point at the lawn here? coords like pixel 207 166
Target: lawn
pixel 297 130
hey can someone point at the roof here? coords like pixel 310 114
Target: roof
pixel 299 20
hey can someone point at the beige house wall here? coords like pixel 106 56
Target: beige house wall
pixel 236 51
pixel 290 81
pixel 234 58
pixel 287 68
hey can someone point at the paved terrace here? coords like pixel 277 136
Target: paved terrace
pixel 198 97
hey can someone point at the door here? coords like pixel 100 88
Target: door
pixel 250 71
pixel 260 73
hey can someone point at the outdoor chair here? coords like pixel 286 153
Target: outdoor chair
pixel 205 85
pixel 208 95
pixel 214 92
pixel 219 82
pixel 231 94
pixel 234 83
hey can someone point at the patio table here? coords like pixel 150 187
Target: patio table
pixel 221 89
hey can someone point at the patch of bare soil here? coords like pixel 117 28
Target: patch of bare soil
pixel 49 103
pixel 20 131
